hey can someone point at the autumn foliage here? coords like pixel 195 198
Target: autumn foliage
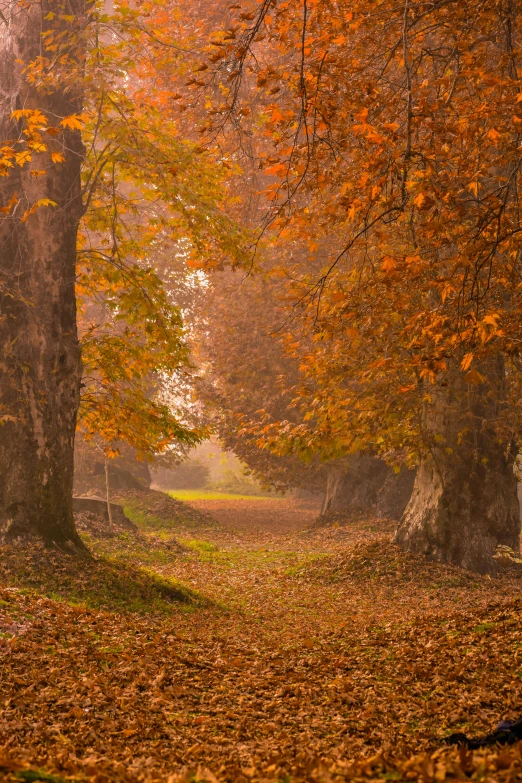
pixel 294 224
pixel 389 145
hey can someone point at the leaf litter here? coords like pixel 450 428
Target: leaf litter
pixel 287 655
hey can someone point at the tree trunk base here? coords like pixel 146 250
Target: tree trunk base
pixel 12 534
pixel 461 515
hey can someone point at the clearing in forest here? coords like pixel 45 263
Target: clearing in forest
pixel 236 641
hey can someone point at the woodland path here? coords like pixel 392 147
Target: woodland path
pixel 306 651
pixel 259 519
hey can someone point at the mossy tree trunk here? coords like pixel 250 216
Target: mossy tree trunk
pixel 40 358
pixel 464 502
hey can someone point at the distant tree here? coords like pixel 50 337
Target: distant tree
pixel 125 471
pixel 247 380
pixel 191 474
pixel 362 484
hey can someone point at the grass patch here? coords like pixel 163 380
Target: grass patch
pixel 250 559
pixel 153 524
pixel 159 511
pixel 149 549
pixel 205 547
pixel 105 583
pixel 30 775
pixel 201 494
pixel 483 627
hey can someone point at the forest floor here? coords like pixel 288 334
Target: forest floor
pixel 237 641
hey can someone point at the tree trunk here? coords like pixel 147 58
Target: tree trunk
pixel 367 485
pixel 40 358
pixel 108 492
pixel 353 488
pixel 464 503
pixel 395 494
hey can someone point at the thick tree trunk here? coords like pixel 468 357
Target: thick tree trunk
pixel 40 359
pixel 353 488
pixel 395 494
pixel 464 503
pixel 365 484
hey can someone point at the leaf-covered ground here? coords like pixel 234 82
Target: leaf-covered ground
pixel 258 650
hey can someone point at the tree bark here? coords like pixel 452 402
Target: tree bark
pixel 464 503
pixel 353 487
pixel 40 359
pixel 395 494
pixel 366 485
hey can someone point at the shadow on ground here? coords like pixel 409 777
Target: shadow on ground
pixel 100 583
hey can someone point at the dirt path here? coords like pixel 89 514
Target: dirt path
pixel 306 651
pixel 261 520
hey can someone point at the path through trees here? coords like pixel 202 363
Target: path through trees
pixel 300 650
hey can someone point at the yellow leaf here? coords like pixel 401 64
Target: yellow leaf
pixel 19 113
pixel 74 121
pixel 466 361
pixel 37 147
pixel 43 202
pixel 21 158
pixel 36 118
pixel 57 157
pixel 33 116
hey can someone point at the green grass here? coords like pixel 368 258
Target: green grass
pixel 149 522
pixel 250 559
pixel 200 546
pixel 160 525
pixel 483 627
pixel 111 583
pixel 33 775
pixel 201 494
pixel 135 551
pixel 30 775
